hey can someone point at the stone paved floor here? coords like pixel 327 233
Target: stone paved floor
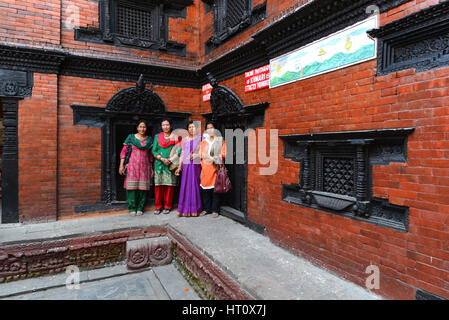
pixel 160 283
pixel 265 270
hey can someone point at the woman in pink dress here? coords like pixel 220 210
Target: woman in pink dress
pixel 138 169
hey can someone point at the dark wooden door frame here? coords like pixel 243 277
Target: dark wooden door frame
pixel 249 117
pixel 10 167
pixel 125 107
pixel 14 86
pixel 228 112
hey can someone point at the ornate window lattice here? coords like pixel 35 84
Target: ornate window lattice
pixel 135 22
pixel 338 176
pixel 232 16
pixel 236 11
pixel 229 15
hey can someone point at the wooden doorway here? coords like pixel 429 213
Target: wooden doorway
pixel 228 112
pixel 9 161
pixel 234 204
pixel 2 132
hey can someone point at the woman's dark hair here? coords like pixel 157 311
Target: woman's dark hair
pixel 190 122
pixel 169 121
pixel 210 122
pixel 147 132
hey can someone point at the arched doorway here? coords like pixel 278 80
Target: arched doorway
pixel 123 110
pixel 14 86
pixel 228 112
pixel 116 121
pixel 9 160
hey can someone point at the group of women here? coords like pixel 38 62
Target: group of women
pixel 194 160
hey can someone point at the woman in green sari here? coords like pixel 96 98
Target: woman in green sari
pixel 165 180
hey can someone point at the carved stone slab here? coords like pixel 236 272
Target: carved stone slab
pixel 148 253
pixel 15 83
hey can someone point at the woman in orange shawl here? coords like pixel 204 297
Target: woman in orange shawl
pixel 213 152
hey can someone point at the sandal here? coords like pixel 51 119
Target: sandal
pixel 157 211
pixel 203 213
pixel 215 215
pixel 139 213
pixel 132 213
pixel 166 211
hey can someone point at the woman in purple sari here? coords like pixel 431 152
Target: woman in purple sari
pixel 189 204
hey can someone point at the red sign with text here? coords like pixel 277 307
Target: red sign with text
pixel 207 89
pixel 257 78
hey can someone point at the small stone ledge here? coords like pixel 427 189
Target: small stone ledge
pixel 139 248
pixel 143 253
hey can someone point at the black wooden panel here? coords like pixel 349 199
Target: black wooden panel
pixel 418 41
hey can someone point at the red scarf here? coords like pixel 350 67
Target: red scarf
pixel 164 143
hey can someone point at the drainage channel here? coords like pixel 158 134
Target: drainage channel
pixel 109 283
pixel 151 263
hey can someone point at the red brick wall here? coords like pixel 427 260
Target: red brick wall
pixel 406 9
pixel 79 156
pixel 37 127
pixel 34 22
pixel 182 30
pixel 42 23
pixel 276 9
pixel 355 99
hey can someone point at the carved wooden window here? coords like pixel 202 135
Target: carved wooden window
pixel 232 16
pixel 138 23
pixel 136 20
pixel 336 173
pixel 419 40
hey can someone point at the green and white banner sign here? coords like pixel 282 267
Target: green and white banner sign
pixel 339 50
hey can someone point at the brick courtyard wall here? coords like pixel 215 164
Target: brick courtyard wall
pixel 181 30
pixel 41 23
pixel 354 99
pixel 349 99
pixel 276 10
pixel 60 168
pixel 79 160
pixel 38 127
pixel 32 22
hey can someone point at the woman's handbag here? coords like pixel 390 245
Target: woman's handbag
pixel 129 149
pixel 222 182
pixel 174 158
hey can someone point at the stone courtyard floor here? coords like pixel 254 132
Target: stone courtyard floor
pixel 263 269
